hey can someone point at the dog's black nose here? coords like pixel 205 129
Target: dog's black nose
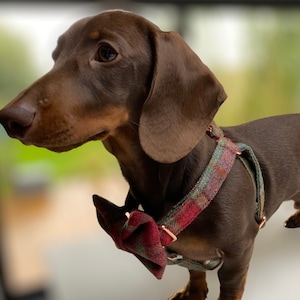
pixel 16 121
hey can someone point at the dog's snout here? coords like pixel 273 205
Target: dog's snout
pixel 16 121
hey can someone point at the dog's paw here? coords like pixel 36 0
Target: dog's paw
pixel 185 294
pixel 293 221
pixel 182 294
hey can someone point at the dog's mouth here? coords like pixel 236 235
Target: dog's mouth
pixel 64 135
pixel 64 148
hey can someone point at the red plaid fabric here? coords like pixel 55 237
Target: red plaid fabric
pixel 137 234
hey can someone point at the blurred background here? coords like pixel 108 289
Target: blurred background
pixel 51 245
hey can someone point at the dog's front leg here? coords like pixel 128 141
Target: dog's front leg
pixel 232 275
pixel 196 288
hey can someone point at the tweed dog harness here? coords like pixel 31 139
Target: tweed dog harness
pixel 139 234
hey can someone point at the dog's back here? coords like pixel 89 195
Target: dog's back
pixel 276 143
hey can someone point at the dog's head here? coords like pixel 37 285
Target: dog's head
pixel 110 70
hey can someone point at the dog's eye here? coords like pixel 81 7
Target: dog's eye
pixel 106 53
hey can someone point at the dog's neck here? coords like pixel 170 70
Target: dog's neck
pixel 154 185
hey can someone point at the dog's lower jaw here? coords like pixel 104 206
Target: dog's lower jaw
pixel 64 148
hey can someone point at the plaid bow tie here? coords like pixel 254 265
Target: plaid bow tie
pixel 137 234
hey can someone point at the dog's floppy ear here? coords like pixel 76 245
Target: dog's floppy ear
pixel 183 99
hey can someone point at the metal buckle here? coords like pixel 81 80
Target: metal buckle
pixel 262 222
pixel 171 234
pixel 174 257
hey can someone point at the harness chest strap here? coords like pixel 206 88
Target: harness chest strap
pixel 140 235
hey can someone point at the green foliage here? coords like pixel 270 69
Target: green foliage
pixel 16 70
pixel 91 158
pixel 269 83
pixel 274 80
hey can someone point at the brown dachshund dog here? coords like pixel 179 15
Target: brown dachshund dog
pixel 147 96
